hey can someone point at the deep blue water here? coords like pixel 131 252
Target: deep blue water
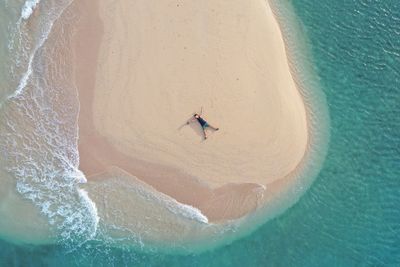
pixel 351 214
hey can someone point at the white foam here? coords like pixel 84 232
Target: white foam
pixel 92 210
pixel 46 26
pixel 28 8
pixel 80 177
pixel 27 74
pixel 24 80
pixel 177 208
pixel 150 194
pixel 40 149
pixel 186 211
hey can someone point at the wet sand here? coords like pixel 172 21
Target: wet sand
pixel 144 67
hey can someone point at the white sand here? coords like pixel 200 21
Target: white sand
pixel 160 61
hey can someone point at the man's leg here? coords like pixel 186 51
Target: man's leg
pixel 212 127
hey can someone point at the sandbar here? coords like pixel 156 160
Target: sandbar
pixel 144 67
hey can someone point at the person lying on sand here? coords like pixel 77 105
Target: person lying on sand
pixel 204 124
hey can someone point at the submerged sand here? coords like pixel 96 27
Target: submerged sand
pixel 144 67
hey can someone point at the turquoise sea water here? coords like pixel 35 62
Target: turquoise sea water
pixel 350 216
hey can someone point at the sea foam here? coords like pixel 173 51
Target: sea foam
pixel 39 135
pixel 148 193
pixel 28 45
pixel 28 8
pixel 185 211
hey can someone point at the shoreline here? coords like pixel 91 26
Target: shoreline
pixel 177 231
pixel 88 137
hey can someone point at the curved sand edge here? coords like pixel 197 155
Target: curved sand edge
pixel 270 148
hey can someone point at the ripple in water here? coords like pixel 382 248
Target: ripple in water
pixel 38 121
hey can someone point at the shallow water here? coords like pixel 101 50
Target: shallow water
pixel 350 215
pixel 38 123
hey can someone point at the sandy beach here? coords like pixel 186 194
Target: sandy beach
pixel 144 67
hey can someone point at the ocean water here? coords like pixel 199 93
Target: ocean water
pixel 39 135
pixel 350 216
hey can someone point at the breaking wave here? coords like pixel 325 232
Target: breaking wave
pixel 28 8
pixel 38 120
